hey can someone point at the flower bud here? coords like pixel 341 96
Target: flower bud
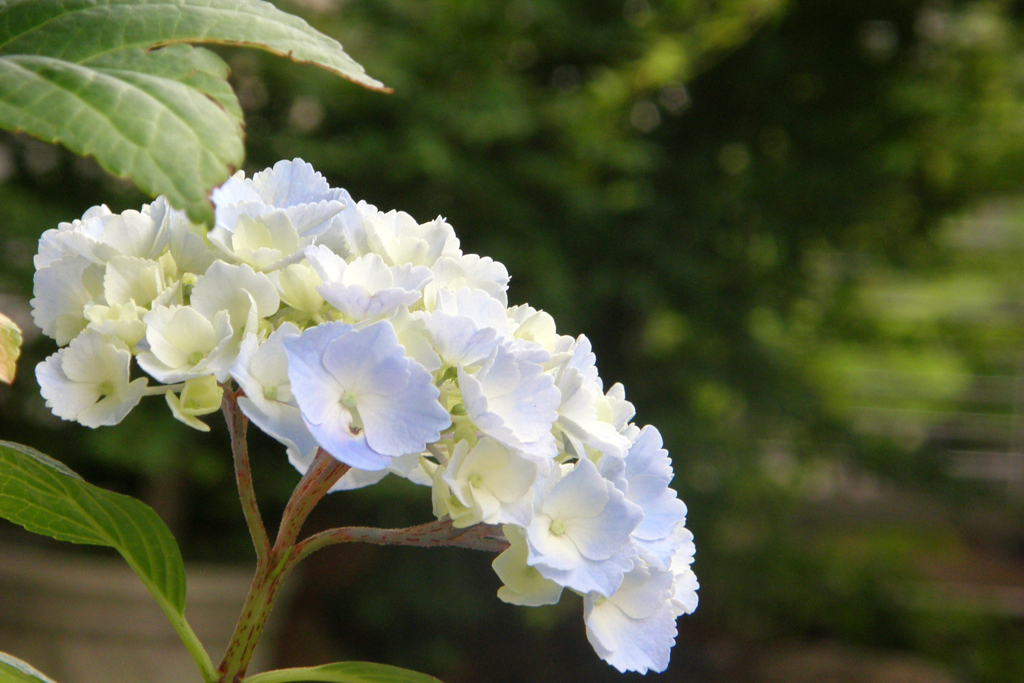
pixel 201 396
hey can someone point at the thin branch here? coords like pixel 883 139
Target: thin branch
pixel 430 535
pixel 237 425
pixel 322 474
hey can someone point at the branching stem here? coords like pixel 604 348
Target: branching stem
pixel 319 478
pixel 273 567
pixel 274 563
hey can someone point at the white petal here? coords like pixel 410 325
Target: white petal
pixel 88 381
pixel 457 339
pixel 65 398
pixel 497 483
pixel 395 398
pixel 471 271
pixel 289 183
pixel 184 345
pixel 128 278
pixel 62 291
pixel 226 287
pixel 523 584
pixel 626 641
pixel 515 391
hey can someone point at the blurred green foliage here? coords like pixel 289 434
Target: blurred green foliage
pixel 792 230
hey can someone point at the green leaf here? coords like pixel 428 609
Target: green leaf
pixel 13 670
pixel 47 498
pixel 85 73
pixel 344 672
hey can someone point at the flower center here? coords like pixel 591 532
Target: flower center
pixel 270 393
pixel 557 527
pixel 475 481
pixel 105 388
pixel 355 426
pixel 195 357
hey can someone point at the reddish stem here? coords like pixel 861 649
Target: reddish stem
pixel 430 535
pixel 272 569
pixel 319 478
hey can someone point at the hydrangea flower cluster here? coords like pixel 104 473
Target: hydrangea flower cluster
pixel 375 338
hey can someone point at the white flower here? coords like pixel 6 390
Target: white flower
pixel 261 370
pixel 635 628
pixel 266 221
pixel 118 321
pixel 399 239
pixel 184 344
pixel 513 401
pixel 187 242
pixel 246 295
pixel 412 334
pixel 494 485
pixel 297 285
pixel 684 584
pixel 62 290
pixel 529 324
pixel 354 240
pixel 647 473
pixel 360 396
pixel 200 396
pixel 580 534
pixel 264 242
pixel 614 409
pixel 484 310
pixel 63 241
pixel 578 417
pixel 366 288
pixel 457 340
pixel 87 381
pixel 472 271
pixel 101 235
pixel 524 585
pixel 10 348
pixel 292 186
pixel 407 329
pixel 129 278
pixel 465 326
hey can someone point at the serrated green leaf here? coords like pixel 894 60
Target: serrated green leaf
pixel 85 73
pixel 44 496
pixel 344 672
pixel 13 670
